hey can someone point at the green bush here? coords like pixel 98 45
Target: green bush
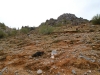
pixel 46 29
pixel 96 20
pixel 25 30
pixel 2 26
pixel 2 34
pixel 13 32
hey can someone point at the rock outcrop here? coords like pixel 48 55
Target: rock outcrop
pixel 66 18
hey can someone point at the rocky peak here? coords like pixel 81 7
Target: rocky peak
pixel 70 18
pixel 66 18
pixel 51 21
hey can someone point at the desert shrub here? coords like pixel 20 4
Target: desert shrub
pixel 2 34
pixel 13 32
pixel 25 29
pixel 46 29
pixel 2 26
pixel 96 19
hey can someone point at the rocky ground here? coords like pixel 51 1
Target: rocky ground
pixel 77 52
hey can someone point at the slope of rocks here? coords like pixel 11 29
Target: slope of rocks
pixel 74 53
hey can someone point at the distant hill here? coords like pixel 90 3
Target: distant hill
pixel 65 19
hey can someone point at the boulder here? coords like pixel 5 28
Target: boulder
pixel 39 71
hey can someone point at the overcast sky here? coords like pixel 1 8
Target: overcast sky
pixel 18 13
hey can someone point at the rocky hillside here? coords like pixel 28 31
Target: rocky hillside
pixel 64 52
pixel 65 19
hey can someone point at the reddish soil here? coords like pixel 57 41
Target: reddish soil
pixel 78 51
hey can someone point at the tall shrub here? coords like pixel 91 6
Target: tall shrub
pixel 96 19
pixel 25 30
pixel 2 34
pixel 46 29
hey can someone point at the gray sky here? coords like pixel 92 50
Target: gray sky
pixel 18 13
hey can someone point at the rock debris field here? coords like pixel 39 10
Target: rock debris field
pixel 59 53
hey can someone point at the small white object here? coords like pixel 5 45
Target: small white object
pixel 74 72
pixel 54 52
pixel 89 71
pixel 52 56
pixel 39 71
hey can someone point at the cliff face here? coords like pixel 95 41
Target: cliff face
pixel 66 18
